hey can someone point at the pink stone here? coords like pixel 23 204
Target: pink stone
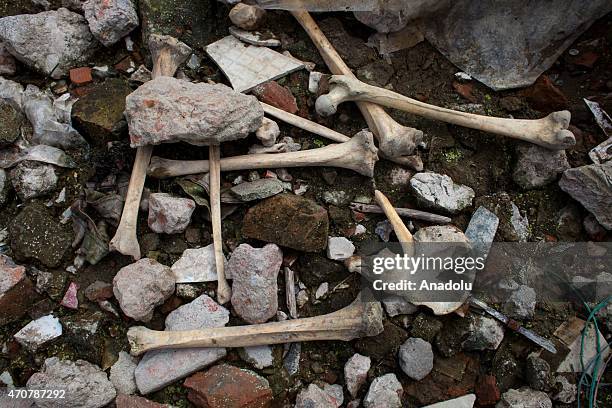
pixel 70 299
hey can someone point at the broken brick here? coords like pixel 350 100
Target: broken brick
pixel 81 76
pixel 276 95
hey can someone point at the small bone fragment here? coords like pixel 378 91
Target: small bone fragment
pixel 403 212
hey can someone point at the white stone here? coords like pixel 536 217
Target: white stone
pixel 315 397
pixel 524 397
pixel 38 332
pixel 339 248
pixel 467 401
pixel 196 265
pixel 322 290
pixel 356 373
pixel 258 356
pixel 122 373
pixel 416 358
pixel 313 81
pixel 440 192
pixel 385 392
pixel 396 305
pixel 168 214
pixel 110 20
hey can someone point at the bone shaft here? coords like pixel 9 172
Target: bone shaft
pixel 328 155
pixel 403 212
pixel 326 327
pixel 515 128
pixel 304 124
pixel 402 232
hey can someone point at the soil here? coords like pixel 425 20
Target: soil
pixel 482 161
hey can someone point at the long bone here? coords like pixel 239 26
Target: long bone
pixel 358 154
pixel 394 139
pixel 359 319
pixel 414 162
pixel 549 132
pixel 168 53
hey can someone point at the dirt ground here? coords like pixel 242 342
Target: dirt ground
pixel 482 161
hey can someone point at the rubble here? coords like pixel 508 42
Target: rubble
pixel 232 115
pixel 122 374
pixel 246 16
pixel 99 113
pixel 168 214
pixel 385 391
pixel 141 286
pixel 416 358
pixel 537 166
pixel 225 385
pixel 288 220
pixel 356 373
pixel 110 21
pixel 196 265
pixel 16 291
pixel 254 287
pixel 39 332
pixel 12 123
pixel 487 391
pixel 521 303
pixel 565 391
pixel 481 230
pixel 69 41
pixel 70 299
pixel 524 397
pixel 315 396
pixel 32 180
pixel 35 225
pixel 259 357
pixel 339 248
pixel 85 384
pixel 485 333
pixel 264 64
pixel 258 189
pixel 395 306
pixel 7 61
pixel 276 95
pixel 537 373
pixel 590 186
pixel 160 368
pixel 268 132
pixel 441 233
pixel 133 401
pixel 467 401
pixel 439 192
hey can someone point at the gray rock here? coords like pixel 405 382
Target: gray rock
pixel 51 42
pixel 258 356
pixel 335 392
pixel 395 306
pixel 141 286
pixel 246 16
pixel 521 303
pixel 4 187
pixel 441 233
pixel 258 189
pixel 481 230
pixel 494 45
pixel 519 224
pixel 197 265
pixel 416 358
pixel 11 121
pixel 38 332
pixel 32 179
pixel 86 385
pixel 110 21
pixel 537 373
pixel 485 333
pixel 356 373
pixel 322 290
pixel 467 401
pixel 211 114
pixel 591 186
pixel 168 214
pixel 336 197
pixel 339 248
pixel 439 192
pixel 122 374
pixel 537 166
pixel 268 132
pixel 315 397
pixel 524 397
pixel 254 287
pixel 385 392
pixel 565 391
pixel 159 368
pixel 291 362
